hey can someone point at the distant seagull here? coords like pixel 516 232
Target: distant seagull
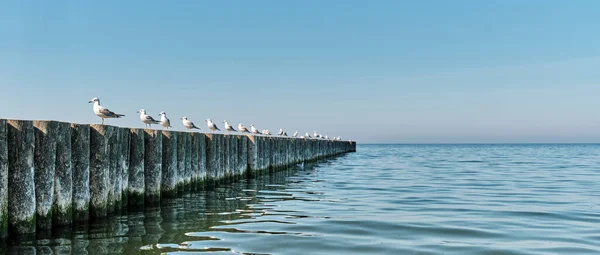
pixel 147 119
pixel 102 112
pixel 211 125
pixel 307 135
pixel 295 134
pixel 266 132
pixel 280 131
pixel 189 125
pixel 229 127
pixel 315 134
pixel 284 134
pixel 254 130
pixel 164 121
pixel 326 137
pixel 243 128
pixel 302 137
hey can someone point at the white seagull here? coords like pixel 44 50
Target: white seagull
pixel 266 132
pixel 315 134
pixel 189 125
pixel 280 131
pixel 295 134
pixel 243 128
pixel 147 119
pixel 211 125
pixel 229 127
pixel 307 135
pixel 164 121
pixel 253 129
pixel 102 112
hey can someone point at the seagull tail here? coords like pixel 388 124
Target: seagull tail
pixel 117 115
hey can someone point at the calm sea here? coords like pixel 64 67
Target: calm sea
pixel 383 199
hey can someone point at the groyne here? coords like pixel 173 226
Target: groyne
pixel 55 173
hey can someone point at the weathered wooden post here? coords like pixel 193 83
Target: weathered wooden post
pixel 211 159
pixel 62 212
pixel 152 165
pixel 45 164
pixel 99 169
pixel 3 179
pixel 170 174
pixel 21 169
pixel 125 136
pixel 201 140
pixel 252 155
pixel 195 162
pixel 137 182
pixel 80 163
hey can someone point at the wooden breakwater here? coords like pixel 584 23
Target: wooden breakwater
pixel 56 173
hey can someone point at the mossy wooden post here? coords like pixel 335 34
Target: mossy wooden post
pixel 62 211
pixel 3 179
pixel 201 140
pixel 45 165
pixel 221 158
pixel 195 162
pixel 225 154
pixel 211 159
pixel 80 163
pixel 99 169
pixel 183 160
pixel 137 187
pixel 187 163
pixel 152 165
pixel 243 155
pixel 114 175
pixel 252 155
pixel 125 136
pixel 21 174
pixel 170 173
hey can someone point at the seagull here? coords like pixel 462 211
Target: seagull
pixel 147 119
pixel 284 134
pixel 102 112
pixel 280 131
pixel 326 137
pixel 254 130
pixel 302 137
pixel 189 125
pixel 211 125
pixel 229 127
pixel 164 121
pixel 295 134
pixel 315 134
pixel 266 132
pixel 242 128
pixel 307 135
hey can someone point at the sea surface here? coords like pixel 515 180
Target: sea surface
pixel 383 199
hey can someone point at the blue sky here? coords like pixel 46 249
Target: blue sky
pixel 373 71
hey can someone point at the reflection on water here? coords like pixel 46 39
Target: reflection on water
pixel 188 223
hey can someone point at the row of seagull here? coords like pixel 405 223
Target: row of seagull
pixel 105 113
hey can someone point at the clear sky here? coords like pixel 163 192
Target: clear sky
pixel 371 71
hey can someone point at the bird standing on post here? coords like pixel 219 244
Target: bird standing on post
pixel 102 112
pixel 242 128
pixel 189 125
pixel 228 127
pixel 147 119
pixel 211 125
pixel 164 121
pixel 254 130
pixel 295 134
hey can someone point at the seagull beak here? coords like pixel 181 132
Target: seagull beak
pixel 90 101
